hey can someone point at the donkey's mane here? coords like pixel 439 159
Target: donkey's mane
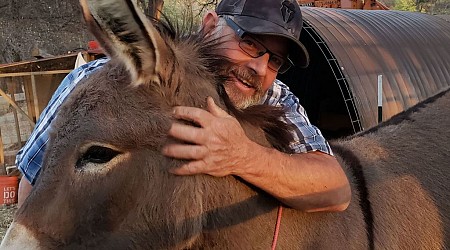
pixel 264 116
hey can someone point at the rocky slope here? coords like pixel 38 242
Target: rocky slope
pixel 53 26
pixel 6 215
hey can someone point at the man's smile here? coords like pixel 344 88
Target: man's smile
pixel 245 86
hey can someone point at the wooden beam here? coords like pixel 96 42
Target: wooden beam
pixel 51 72
pixel 14 104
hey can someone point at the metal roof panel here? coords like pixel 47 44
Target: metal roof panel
pixel 410 50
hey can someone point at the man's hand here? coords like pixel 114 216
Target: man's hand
pixel 309 182
pixel 217 146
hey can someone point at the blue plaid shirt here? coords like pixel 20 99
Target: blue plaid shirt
pixel 306 136
pixel 29 159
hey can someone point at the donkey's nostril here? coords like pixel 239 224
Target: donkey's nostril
pixel 96 155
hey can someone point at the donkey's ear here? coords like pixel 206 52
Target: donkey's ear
pixel 125 33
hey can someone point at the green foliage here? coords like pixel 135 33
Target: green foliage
pixel 190 12
pixel 186 13
pixel 425 6
pixel 406 5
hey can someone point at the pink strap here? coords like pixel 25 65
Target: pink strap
pixel 277 228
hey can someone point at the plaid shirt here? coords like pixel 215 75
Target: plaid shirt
pixel 306 136
pixel 29 158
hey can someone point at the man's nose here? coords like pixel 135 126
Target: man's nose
pixel 260 64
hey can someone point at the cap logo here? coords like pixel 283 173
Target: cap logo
pixel 287 11
pixel 234 3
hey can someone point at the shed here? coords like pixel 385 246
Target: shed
pixel 351 49
pixel 25 89
pixel 36 79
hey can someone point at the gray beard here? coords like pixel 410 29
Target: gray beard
pixel 238 99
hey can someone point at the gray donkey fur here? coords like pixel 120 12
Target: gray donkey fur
pixel 105 184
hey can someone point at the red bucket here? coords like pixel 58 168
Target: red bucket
pixel 9 187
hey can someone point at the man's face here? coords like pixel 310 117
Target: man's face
pixel 249 78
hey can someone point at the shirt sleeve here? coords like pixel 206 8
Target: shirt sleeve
pixel 307 137
pixel 30 156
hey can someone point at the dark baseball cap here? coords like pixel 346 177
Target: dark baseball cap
pixel 270 17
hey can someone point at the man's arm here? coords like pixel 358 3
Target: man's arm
pixel 24 191
pixel 310 182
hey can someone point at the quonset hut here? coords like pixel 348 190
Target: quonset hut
pixel 350 49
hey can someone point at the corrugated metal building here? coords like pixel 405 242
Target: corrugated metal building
pixel 349 49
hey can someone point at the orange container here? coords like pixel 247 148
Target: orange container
pixel 9 187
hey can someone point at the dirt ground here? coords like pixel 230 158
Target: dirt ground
pixel 6 215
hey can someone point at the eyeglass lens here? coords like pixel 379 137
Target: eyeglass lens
pixel 254 48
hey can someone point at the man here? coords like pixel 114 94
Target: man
pixel 261 37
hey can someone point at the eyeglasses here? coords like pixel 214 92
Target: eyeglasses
pixel 255 49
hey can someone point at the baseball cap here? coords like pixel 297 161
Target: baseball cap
pixel 270 17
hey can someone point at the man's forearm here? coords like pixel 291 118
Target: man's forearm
pixel 307 181
pixel 24 191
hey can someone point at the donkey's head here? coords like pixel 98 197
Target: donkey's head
pixel 104 181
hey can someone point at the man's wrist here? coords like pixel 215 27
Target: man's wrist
pixel 257 160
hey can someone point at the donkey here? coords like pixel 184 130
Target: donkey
pixel 105 184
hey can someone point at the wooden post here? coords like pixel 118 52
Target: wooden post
pixel 2 156
pixel 380 98
pixel 35 97
pixel 12 91
pixel 154 8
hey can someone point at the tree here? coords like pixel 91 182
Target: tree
pixel 442 7
pixel 151 8
pixel 184 11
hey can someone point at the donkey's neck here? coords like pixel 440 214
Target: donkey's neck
pixel 233 208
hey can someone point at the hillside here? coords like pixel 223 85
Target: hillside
pixel 55 27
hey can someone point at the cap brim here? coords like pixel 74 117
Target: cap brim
pixel 298 53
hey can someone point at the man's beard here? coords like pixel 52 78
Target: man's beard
pixel 240 100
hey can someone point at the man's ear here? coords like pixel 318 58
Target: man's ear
pixel 210 20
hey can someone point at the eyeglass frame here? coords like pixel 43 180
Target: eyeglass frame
pixel 242 33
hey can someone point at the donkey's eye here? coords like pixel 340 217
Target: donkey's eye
pixel 96 155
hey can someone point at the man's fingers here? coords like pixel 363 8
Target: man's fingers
pixel 197 115
pixel 185 151
pixel 191 168
pixel 187 133
pixel 214 109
